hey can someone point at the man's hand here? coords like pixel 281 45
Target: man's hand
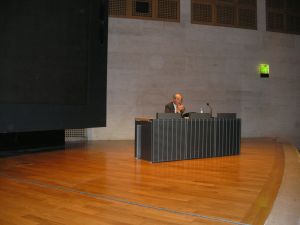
pixel 180 108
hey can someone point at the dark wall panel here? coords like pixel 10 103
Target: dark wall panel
pixel 52 64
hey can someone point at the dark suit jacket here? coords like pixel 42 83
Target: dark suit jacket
pixel 169 108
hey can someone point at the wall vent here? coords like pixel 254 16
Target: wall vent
pixel 75 134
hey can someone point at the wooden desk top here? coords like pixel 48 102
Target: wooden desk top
pixel 144 118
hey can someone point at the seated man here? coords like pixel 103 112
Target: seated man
pixel 175 106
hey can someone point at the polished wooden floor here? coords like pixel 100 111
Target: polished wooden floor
pixel 102 183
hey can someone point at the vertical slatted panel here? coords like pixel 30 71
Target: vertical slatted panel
pixel 145 141
pixel 197 153
pixel 225 15
pixel 155 143
pixel 202 12
pixel 195 147
pixel 223 134
pixel 234 147
pixel 229 133
pixel 293 6
pixel 247 17
pixel 231 136
pixel 168 9
pixel 169 141
pixel 138 138
pixel 189 137
pixel 217 135
pixel 275 4
pixel 208 152
pixel 117 7
pixel 204 139
pixel 192 138
pixel 236 136
pixel 182 140
pixel 275 21
pixel 208 121
pixel 228 136
pixel 162 140
pixel 293 24
pixel 239 135
pixel 225 149
pixel 174 140
pixel 220 139
pixel 227 1
pixel 178 139
pixel 213 136
pixel 247 2
pixel 210 142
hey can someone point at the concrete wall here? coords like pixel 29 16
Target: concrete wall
pixel 150 60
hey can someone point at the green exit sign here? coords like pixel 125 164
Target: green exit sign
pixel 264 70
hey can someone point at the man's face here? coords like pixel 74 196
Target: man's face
pixel 177 100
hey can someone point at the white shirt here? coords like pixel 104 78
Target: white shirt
pixel 175 107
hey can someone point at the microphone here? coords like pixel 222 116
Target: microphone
pixel 210 109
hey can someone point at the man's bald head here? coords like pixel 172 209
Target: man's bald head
pixel 177 99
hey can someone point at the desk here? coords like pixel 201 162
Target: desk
pixel 161 140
